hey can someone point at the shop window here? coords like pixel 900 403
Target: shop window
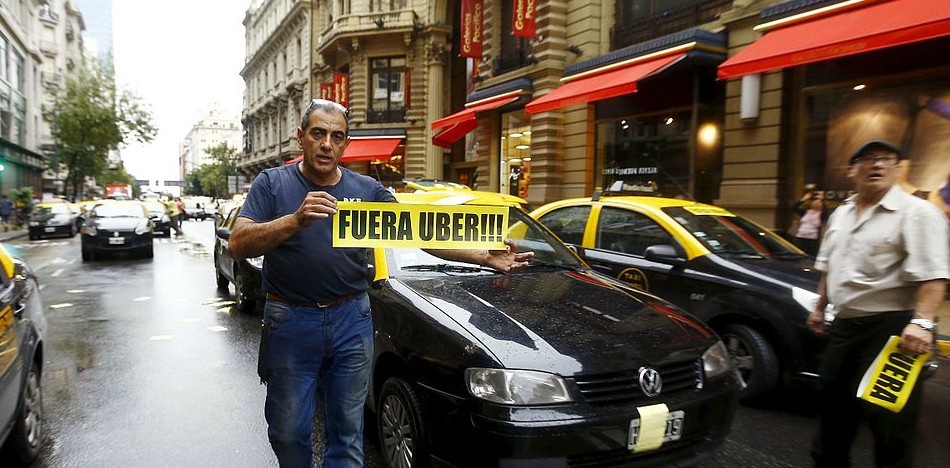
pixel 515 154
pixel 642 20
pixel 515 50
pixel 568 223
pixel 644 155
pixel 629 232
pixel 387 100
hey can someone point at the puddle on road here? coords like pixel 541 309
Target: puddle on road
pixel 195 249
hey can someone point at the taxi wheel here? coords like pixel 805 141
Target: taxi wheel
pixel 27 436
pixel 242 303
pixel 402 432
pixel 754 357
pixel 222 281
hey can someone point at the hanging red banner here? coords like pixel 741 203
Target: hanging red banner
pixel 471 37
pixel 524 18
pixel 341 88
pixel 326 91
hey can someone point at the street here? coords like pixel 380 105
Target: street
pixel 146 365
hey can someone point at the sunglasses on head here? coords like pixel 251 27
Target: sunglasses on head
pixel 325 102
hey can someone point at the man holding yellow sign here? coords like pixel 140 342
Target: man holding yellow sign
pixel 884 259
pixel 318 331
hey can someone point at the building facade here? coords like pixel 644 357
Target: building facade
pixel 216 127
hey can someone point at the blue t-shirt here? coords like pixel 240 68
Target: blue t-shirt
pixel 306 267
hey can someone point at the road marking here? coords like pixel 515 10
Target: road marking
pixel 190 320
pixel 217 328
pixel 76 291
pixel 60 306
pixel 162 338
pixel 57 272
pixel 225 310
pixel 59 260
pixel 142 299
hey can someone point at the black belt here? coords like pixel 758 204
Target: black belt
pixel 322 305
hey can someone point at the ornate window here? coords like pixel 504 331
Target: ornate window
pixel 388 90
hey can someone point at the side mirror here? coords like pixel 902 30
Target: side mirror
pixel 663 253
pixel 223 233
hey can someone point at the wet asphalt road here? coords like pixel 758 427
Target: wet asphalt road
pixel 146 365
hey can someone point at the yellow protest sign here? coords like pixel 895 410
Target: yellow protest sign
pixel 370 224
pixel 890 379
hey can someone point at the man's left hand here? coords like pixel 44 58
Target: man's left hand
pixel 915 340
pixel 509 259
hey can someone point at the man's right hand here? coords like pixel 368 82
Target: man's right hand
pixel 316 205
pixel 816 322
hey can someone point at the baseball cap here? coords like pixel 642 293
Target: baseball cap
pixel 875 145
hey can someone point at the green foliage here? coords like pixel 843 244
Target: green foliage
pixel 212 179
pixel 88 118
pixel 22 196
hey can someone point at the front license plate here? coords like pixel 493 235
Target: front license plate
pixel 674 429
pixel 116 240
pixel 50 229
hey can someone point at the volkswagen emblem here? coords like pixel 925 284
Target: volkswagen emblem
pixel 115 234
pixel 650 382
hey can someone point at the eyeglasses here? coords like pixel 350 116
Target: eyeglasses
pixel 869 159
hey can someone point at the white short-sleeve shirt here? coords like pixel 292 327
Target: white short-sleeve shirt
pixel 873 263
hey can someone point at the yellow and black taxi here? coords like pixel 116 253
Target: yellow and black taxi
pixel 550 365
pixel 116 226
pixel 53 219
pixel 22 331
pixel 245 274
pixel 753 287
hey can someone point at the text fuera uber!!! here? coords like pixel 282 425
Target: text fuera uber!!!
pixel 402 225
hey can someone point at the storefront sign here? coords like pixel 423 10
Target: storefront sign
pixel 471 37
pixel 364 224
pixel 524 18
pixel 341 88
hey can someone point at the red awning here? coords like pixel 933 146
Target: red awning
pixel 370 149
pixel 468 114
pixel 450 135
pixel 365 149
pixel 601 86
pixel 876 26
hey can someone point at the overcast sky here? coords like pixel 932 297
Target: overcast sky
pixel 180 57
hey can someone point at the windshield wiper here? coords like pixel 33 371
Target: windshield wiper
pixel 786 255
pixel 737 253
pixel 538 263
pixel 446 268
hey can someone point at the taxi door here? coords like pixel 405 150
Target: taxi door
pixel 11 369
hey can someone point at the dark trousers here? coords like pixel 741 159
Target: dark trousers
pixel 809 246
pixel 853 343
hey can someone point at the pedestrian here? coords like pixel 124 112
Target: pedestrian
pixel 317 338
pixel 6 209
pixel 813 214
pixel 174 217
pixel 884 262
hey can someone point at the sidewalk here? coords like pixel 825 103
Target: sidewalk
pixel 6 236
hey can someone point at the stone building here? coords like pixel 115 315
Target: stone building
pixel 216 127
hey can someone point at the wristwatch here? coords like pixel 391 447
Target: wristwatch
pixel 926 324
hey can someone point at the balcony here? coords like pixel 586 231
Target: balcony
pixel 296 79
pixel 49 48
pixel 49 16
pixel 386 116
pixel 665 22
pixel 51 79
pixel 512 59
pixel 358 24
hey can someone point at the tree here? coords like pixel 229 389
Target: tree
pixel 212 179
pixel 89 117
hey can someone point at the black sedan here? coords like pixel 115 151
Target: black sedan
pixel 22 331
pixel 245 274
pixel 161 223
pixel 53 219
pixel 552 365
pixel 117 226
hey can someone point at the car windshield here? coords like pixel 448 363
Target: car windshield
pixel 53 209
pixel 117 210
pixel 732 236
pixel 154 207
pixel 527 234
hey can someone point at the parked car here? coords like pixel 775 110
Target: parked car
pixel 550 365
pixel 117 226
pixel 244 274
pixel 161 223
pixel 753 287
pixel 53 219
pixel 22 334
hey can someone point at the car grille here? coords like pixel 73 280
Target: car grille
pixel 622 457
pixel 622 387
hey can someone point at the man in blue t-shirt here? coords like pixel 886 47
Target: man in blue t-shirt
pixel 317 325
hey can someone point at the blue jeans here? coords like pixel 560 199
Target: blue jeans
pixel 317 355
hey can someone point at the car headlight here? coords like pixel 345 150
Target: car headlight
pixel 34 223
pixel 516 387
pixel 256 262
pixel 808 299
pixel 88 230
pixel 716 360
pixel 142 229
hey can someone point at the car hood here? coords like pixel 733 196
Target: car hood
pixel 46 217
pixel 118 224
pixel 565 322
pixel 782 273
